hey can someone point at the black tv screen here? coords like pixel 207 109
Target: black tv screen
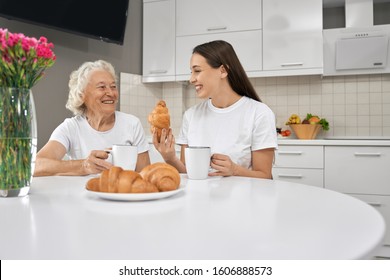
pixel 98 19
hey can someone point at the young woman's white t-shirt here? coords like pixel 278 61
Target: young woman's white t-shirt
pixel 79 138
pixel 236 131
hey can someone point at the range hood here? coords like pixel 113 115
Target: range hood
pixel 360 47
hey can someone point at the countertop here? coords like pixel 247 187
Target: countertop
pixel 339 141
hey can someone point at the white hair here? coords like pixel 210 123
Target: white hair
pixel 78 82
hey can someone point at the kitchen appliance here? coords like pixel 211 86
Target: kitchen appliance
pixel 360 47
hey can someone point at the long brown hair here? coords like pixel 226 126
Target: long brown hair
pixel 219 53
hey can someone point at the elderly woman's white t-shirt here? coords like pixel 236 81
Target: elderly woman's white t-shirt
pixel 236 131
pixel 79 138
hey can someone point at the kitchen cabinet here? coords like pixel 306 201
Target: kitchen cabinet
pixel 271 37
pixel 292 37
pixel 219 21
pixel 299 164
pixel 359 168
pixel 205 17
pixel 247 45
pixel 362 171
pixel 382 204
pixel 159 41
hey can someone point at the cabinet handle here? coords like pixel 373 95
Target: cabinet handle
pixel 291 64
pixel 289 152
pixel 158 71
pixel 368 154
pixel 289 176
pixel 375 204
pixel 217 28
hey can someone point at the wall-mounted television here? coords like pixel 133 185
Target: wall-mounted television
pixel 97 19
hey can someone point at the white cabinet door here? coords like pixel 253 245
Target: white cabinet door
pixel 299 164
pixel 311 177
pixel 205 16
pixel 299 156
pixel 358 169
pixel 382 204
pixel 246 44
pixel 159 41
pixel 292 35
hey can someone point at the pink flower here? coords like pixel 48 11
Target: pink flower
pixel 21 55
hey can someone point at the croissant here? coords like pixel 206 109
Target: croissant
pixel 163 175
pixel 159 118
pixel 117 180
pixel 152 178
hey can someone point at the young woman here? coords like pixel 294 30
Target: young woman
pixel 232 120
pixel 96 126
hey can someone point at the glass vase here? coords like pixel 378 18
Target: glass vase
pixel 18 141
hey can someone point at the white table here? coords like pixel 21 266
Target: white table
pixel 217 218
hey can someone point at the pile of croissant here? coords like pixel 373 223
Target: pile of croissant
pixel 156 177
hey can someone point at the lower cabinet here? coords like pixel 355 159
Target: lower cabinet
pixel 299 164
pixel 362 171
pixel 382 204
pixel 358 169
pixel 312 177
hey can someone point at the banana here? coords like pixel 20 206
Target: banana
pixel 294 119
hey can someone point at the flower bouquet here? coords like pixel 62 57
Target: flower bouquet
pixel 22 65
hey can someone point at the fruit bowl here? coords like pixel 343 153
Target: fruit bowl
pixel 306 131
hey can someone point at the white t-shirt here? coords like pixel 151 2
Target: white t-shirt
pixel 245 126
pixel 79 138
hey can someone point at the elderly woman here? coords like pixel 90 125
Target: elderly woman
pixel 96 126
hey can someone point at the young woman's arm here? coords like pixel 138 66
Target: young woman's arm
pixel 261 165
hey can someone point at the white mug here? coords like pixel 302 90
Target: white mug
pixel 124 156
pixel 197 162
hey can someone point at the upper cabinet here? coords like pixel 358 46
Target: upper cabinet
pixel 292 37
pixel 216 16
pixel 270 37
pixel 247 45
pixel 219 21
pixel 159 41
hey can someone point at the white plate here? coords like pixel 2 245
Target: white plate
pixel 136 196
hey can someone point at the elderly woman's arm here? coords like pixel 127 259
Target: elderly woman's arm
pixel 49 162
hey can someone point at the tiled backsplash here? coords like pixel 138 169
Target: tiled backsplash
pixel 354 105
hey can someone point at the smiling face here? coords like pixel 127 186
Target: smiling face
pixel 101 94
pixel 205 78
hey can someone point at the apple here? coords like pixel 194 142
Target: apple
pixel 314 120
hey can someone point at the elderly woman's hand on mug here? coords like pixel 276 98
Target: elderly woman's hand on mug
pixel 96 162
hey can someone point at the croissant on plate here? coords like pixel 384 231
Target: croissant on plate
pixel 159 118
pixel 162 175
pixel 153 178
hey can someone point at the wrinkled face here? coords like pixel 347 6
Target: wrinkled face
pixel 205 78
pixel 101 93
